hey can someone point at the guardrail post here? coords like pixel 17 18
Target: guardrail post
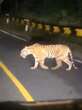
pixel 7 20
pixel 27 25
pixel 26 28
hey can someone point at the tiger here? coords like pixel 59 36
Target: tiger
pixel 61 53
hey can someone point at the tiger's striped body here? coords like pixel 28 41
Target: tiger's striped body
pixel 40 52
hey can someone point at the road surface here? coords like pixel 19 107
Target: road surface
pixel 39 84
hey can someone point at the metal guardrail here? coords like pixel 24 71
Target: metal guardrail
pixel 46 27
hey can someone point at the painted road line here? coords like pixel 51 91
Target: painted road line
pixel 17 83
pixel 13 35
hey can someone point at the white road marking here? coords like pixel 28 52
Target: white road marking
pixel 77 60
pixel 13 35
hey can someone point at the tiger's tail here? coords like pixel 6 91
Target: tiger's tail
pixel 71 57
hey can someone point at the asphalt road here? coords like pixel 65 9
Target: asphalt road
pixel 41 84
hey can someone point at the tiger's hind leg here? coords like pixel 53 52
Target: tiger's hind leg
pixel 59 64
pixel 42 64
pixel 69 63
pixel 35 66
pixel 75 66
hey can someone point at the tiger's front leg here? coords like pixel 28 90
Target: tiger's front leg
pixel 42 64
pixel 35 66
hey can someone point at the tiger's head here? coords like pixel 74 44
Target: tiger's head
pixel 25 51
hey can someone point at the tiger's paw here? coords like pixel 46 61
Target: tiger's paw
pixel 55 68
pixel 68 69
pixel 45 67
pixel 76 67
pixel 33 68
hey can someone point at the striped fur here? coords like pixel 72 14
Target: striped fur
pixel 60 52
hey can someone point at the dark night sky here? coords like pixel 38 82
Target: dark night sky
pixel 42 6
